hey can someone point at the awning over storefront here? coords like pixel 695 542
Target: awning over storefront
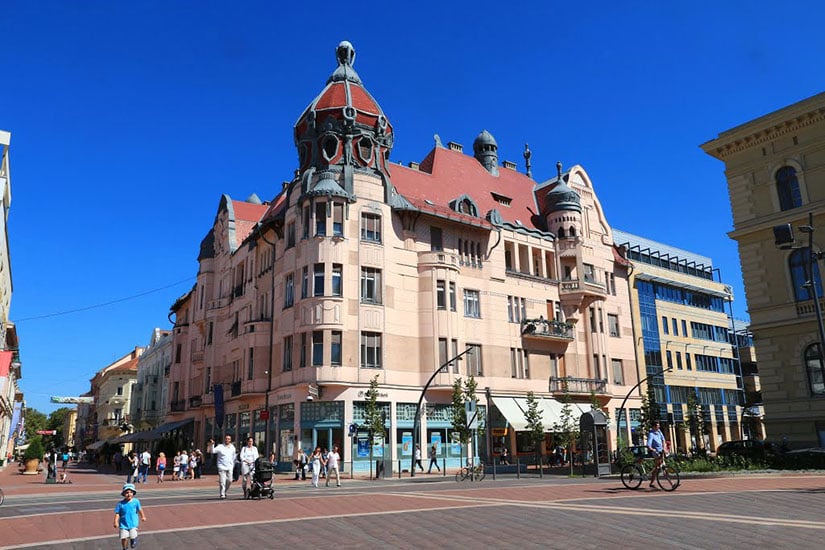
pixel 96 445
pixel 513 409
pixel 169 427
pixel 146 435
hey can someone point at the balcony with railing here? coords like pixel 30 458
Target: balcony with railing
pixel 197 356
pixel 575 289
pixel 544 329
pixel 578 386
pixel 195 401
pixel 178 406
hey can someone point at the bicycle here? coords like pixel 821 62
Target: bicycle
pixel 473 473
pixel 633 474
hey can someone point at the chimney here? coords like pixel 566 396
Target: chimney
pixel 413 165
pixel 455 146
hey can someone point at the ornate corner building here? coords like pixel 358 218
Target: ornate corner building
pixel 775 168
pixel 361 267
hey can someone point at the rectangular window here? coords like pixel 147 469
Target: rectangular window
pixel 120 390
pixel 559 312
pixel 320 219
pixel 289 290
pixel 679 360
pixel 474 366
pixel 209 333
pixel 613 324
pixel 442 351
pixel 337 220
pixel 435 239
pixel 589 273
pixel 675 327
pixel 519 365
pixel 510 318
pixel 317 348
pixel 370 285
pixel 664 325
pixel 306 215
pixel 302 353
pixel 370 350
pixel 597 374
pixel 335 348
pixel 371 228
pixel 318 282
pixel 669 358
pixel 250 364
pixel 452 296
pixel 440 294
pixel 600 314
pixel 287 354
pixel 688 361
pixel 290 235
pixel 177 353
pixel 592 312
pixel 618 372
pixel 472 304
pixel 304 282
pixel 337 279
pixel 684 329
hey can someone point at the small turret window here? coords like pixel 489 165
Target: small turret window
pixel 330 145
pixel 365 149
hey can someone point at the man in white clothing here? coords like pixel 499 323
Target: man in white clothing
pixel 332 465
pixel 226 461
pixel 249 454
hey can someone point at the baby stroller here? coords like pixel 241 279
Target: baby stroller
pixel 261 480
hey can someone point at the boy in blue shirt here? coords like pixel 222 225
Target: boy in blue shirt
pixel 126 516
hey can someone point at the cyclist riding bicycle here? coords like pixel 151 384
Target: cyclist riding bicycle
pixel 656 445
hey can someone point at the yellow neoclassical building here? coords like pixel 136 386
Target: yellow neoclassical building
pixel 775 169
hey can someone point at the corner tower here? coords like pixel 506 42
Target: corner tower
pixel 343 130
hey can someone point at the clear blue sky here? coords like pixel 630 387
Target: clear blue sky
pixel 129 120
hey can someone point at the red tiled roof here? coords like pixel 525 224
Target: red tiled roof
pixel 446 175
pixel 247 215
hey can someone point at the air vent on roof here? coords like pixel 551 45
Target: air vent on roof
pixel 428 201
pixel 510 165
pixel 455 146
pixel 414 165
pixel 501 199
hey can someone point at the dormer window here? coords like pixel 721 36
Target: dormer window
pixel 501 199
pixel 465 205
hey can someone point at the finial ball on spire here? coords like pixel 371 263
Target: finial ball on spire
pixel 345 53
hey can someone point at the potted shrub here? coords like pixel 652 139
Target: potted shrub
pixel 33 455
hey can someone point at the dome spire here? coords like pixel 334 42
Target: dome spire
pixel 345 54
pixel 485 150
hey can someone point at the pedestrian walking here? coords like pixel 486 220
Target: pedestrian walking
pixel 433 459
pixel 301 464
pixel 132 463
pixel 418 457
pixel 176 467
pixel 226 461
pixel 184 464
pixel 160 466
pixel 145 464
pixel 315 463
pixel 249 454
pixel 333 458
pixel 127 512
pixel 193 465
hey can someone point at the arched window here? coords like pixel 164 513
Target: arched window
pixel 796 263
pixel 561 232
pixel 814 367
pixel 787 187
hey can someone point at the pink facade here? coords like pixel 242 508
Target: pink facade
pixel 361 267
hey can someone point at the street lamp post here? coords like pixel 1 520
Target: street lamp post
pixel 267 442
pixel 784 239
pixel 421 399
pixel 620 415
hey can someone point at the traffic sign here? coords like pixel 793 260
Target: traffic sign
pixel 472 414
pixel 46 432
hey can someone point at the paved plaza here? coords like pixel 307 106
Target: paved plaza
pixel 768 510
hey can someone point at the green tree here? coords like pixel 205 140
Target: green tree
pixel 567 428
pixel 35 421
pixel 56 421
pixel 35 448
pixel 463 391
pixel 372 416
pixel 695 421
pixel 533 417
